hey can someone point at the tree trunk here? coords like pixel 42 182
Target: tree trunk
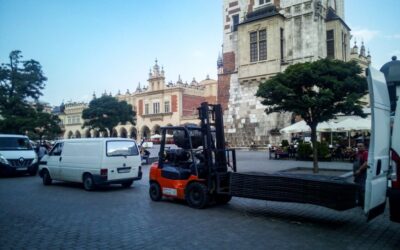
pixel 315 150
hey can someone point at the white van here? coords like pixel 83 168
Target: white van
pixel 92 161
pixel 17 155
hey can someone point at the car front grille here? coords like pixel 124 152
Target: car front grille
pixel 18 163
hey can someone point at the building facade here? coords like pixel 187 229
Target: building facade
pixel 159 104
pixel 261 39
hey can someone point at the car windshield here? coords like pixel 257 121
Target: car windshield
pixel 15 143
pixel 122 148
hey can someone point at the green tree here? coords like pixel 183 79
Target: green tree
pixel 45 125
pixel 106 112
pixel 317 91
pixel 21 83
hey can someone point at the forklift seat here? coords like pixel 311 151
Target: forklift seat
pixel 175 173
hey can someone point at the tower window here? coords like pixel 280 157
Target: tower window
pixel 261 2
pixel 282 44
pixel 263 44
pixel 235 22
pixel 258 45
pixel 330 44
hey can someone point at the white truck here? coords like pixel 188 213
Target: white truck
pixel 383 173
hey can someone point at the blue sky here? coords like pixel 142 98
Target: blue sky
pixel 98 45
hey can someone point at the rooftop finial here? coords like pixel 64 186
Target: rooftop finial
pixel 362 50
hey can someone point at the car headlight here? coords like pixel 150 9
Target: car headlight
pixel 3 160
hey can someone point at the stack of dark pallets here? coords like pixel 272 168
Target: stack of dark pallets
pixel 328 191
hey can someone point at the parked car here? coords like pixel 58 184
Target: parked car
pixel 17 155
pixel 93 162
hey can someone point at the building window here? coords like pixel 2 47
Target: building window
pixel 330 44
pixel 263 44
pixel 253 47
pixel 235 22
pixel 146 109
pixel 258 45
pixel 156 108
pixel 282 44
pixel 166 107
pixel 261 2
pixel 344 46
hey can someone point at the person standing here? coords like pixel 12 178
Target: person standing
pixel 360 169
pixel 42 151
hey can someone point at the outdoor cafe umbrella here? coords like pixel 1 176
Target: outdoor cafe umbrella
pixel 301 126
pixel 350 124
pixel 353 124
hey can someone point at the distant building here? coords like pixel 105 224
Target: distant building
pixel 261 39
pixel 159 104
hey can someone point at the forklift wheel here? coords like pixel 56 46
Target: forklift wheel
pixel 155 191
pixel 196 195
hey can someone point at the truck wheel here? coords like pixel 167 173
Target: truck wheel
pixel 127 184
pixel 88 182
pixel 223 199
pixel 155 191
pixel 196 195
pixel 46 177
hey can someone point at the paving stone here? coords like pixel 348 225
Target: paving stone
pixel 64 216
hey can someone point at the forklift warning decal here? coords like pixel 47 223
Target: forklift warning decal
pixel 169 191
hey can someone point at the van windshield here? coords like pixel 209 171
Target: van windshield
pixel 15 143
pixel 122 148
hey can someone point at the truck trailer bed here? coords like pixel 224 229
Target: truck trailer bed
pixel 328 191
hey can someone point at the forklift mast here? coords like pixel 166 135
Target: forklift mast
pixel 214 151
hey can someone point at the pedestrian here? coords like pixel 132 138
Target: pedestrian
pixel 360 169
pixel 42 151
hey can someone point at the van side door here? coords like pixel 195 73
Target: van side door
pixel 53 160
pixel 378 154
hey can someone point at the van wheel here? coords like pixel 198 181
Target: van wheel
pixel 46 177
pixel 127 184
pixel 88 182
pixel 196 195
pixel 155 191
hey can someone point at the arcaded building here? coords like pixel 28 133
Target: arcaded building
pixel 158 104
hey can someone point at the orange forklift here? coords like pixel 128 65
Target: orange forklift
pixel 199 168
pixel 196 167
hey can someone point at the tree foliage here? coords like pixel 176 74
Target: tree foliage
pixel 106 112
pixel 45 126
pixel 317 91
pixel 21 83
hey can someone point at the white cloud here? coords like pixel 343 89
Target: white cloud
pixel 365 35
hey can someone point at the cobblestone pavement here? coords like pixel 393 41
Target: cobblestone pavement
pixel 64 216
